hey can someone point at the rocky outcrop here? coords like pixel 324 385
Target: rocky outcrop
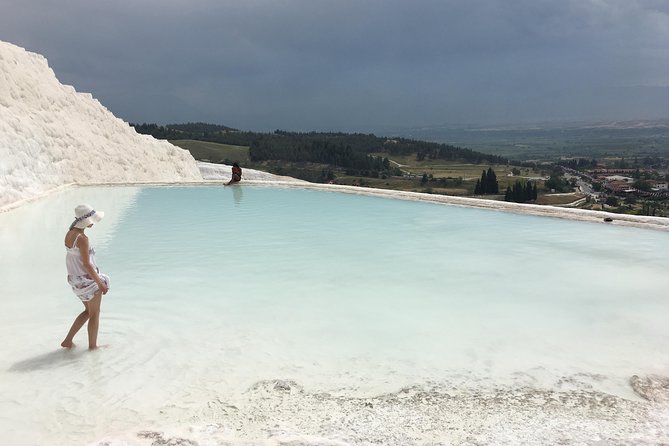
pixel 652 387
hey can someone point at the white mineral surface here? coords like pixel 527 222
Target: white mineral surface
pixel 51 135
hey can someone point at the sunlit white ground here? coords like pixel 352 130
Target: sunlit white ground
pixel 277 315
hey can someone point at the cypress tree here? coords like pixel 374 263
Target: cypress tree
pixel 484 183
pixel 521 193
pixel 516 193
pixel 491 182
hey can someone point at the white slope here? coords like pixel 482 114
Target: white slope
pixel 50 136
pixel 223 172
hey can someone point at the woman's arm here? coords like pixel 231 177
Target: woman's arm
pixel 82 243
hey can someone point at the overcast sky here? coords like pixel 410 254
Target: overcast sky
pixel 349 65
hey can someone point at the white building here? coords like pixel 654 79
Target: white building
pixel 660 186
pixel 620 178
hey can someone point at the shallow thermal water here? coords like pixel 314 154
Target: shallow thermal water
pixel 368 311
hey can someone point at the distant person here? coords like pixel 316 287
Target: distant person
pixel 83 275
pixel 236 174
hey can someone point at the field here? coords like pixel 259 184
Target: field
pixel 468 172
pixel 560 199
pixel 449 178
pixel 214 152
pixel 403 184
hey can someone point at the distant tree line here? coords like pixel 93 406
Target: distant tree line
pixel 304 173
pixel 441 181
pixel 487 184
pixel 192 130
pixel 579 164
pixel 521 193
pixel 332 152
pixel 351 151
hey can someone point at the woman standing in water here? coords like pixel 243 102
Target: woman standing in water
pixel 83 275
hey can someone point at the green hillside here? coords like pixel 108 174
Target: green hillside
pixel 214 152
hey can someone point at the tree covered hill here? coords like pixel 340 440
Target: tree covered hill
pixel 354 151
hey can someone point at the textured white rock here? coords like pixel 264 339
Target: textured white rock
pixel 50 135
pixel 651 387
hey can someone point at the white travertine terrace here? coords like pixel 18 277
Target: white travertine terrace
pixel 51 135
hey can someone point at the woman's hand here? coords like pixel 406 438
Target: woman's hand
pixel 103 287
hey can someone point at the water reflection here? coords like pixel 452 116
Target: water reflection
pixel 237 193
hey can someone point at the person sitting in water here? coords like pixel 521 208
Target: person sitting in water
pixel 236 174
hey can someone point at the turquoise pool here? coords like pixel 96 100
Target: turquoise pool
pixel 215 290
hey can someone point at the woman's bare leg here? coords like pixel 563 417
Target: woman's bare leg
pixel 94 320
pixel 76 326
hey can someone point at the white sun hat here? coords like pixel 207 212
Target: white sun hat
pixel 86 215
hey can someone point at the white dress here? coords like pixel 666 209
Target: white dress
pixel 81 282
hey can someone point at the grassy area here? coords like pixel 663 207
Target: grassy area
pixel 468 172
pixel 214 152
pixel 558 199
pixel 443 177
pixel 403 184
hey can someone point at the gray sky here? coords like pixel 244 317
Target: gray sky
pixel 350 65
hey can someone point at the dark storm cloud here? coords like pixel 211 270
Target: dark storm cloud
pixel 354 64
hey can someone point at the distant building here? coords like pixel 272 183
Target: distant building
pixel 619 178
pixel 609 171
pixel 619 187
pixel 659 185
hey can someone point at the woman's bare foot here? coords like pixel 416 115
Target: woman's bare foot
pixel 67 344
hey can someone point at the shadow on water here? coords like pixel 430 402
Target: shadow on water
pixel 50 360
